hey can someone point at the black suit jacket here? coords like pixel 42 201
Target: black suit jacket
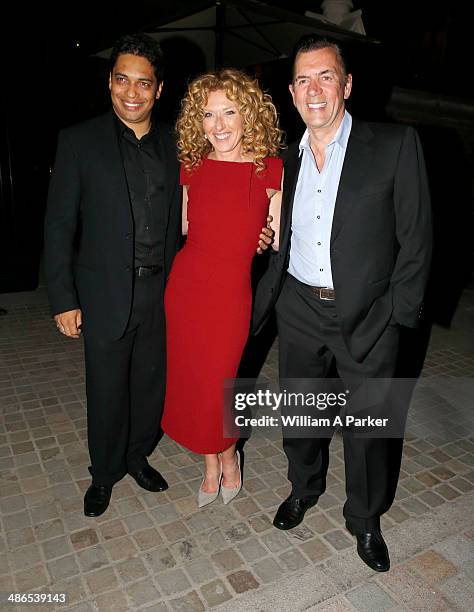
pixel 380 239
pixel 89 234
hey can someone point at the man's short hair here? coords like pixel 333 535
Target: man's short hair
pixel 313 42
pixel 142 45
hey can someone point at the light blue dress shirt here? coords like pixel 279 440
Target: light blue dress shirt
pixel 313 209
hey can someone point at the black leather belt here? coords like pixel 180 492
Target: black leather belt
pixel 143 271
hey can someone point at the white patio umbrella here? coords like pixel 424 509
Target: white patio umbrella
pixel 244 32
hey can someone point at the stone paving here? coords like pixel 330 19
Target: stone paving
pixel 158 551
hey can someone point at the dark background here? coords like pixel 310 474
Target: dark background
pixel 52 79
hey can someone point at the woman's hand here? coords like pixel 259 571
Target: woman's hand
pixel 266 237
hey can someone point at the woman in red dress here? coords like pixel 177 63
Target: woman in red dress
pixel 228 139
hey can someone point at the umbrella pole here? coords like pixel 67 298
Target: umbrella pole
pixel 219 35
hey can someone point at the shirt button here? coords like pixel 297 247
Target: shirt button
pixel 319 244
pixel 147 227
pixel 318 217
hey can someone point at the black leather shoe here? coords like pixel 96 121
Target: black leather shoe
pixel 292 511
pixel 96 499
pixel 372 550
pixel 150 479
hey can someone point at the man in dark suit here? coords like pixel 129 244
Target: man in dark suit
pixel 355 248
pixel 112 229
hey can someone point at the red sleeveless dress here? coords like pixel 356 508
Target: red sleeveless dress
pixel 208 296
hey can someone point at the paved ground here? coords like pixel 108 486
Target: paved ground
pixel 159 552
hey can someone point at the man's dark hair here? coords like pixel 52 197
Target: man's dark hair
pixel 142 45
pixel 313 42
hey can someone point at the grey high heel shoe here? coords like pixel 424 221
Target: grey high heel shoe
pixel 229 494
pixel 206 498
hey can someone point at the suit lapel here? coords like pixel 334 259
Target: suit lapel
pixel 169 168
pixel 353 176
pixel 111 161
pixel 292 169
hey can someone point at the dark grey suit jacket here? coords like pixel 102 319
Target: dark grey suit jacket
pixel 89 246
pixel 380 240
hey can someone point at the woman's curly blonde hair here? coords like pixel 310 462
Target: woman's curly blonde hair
pixel 262 135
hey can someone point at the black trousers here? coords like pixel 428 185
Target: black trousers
pixel 125 381
pixel 309 342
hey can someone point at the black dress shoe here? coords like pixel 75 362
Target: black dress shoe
pixel 372 550
pixel 150 479
pixel 292 511
pixel 96 499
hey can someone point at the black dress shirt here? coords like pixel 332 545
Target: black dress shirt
pixel 144 170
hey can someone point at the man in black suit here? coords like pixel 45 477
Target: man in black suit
pixel 355 248
pixel 112 229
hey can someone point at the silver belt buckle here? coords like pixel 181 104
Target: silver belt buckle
pixel 328 299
